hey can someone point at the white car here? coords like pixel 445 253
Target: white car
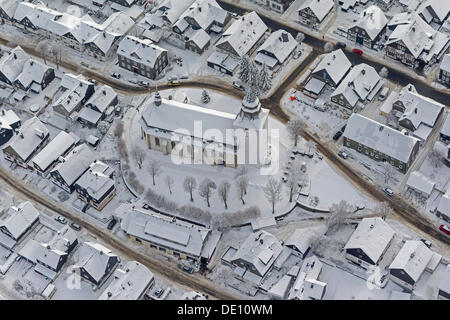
pixel 388 191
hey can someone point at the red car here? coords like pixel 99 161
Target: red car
pixel 357 51
pixel 445 228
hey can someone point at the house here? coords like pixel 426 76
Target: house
pixel 279 290
pixel 124 3
pixel 444 285
pixel 420 184
pixel 33 136
pixel 380 142
pixel 197 41
pixel 443 209
pixel 130 282
pixel 276 49
pixel 243 36
pixel 17 221
pixel 279 6
pixel 9 122
pixel 445 129
pixel 96 106
pixel 168 234
pixel 383 4
pixel 48 156
pixel 333 67
pixel 170 127
pixel 412 41
pixel 417 112
pixel 300 240
pixel 369 28
pixel 72 93
pixel 362 83
pixel 49 258
pixel 312 12
pixel 172 10
pixel 7 9
pixel 434 11
pixel 96 186
pixel 258 253
pixel 369 242
pixel 71 167
pixel 444 71
pixel 207 15
pixel 307 285
pixel 409 264
pixel 142 57
pixel 347 4
pixel 95 262
pixel 11 65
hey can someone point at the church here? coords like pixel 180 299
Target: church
pixel 197 135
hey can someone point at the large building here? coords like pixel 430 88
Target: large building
pixel 444 71
pixel 380 142
pixel 332 68
pixel 369 28
pixel 9 122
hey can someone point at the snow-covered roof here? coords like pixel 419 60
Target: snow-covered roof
pixel 430 9
pixel 140 50
pixel 19 219
pixel 205 13
pixel 94 259
pixel 444 204
pixel 33 71
pixel 420 182
pixel 96 180
pixel 280 288
pixel 380 137
pixel 260 249
pixel 30 137
pixel 75 163
pixel 445 65
pixel 358 84
pixel 308 276
pixel 165 231
pixel 56 148
pixel 243 34
pixel 372 20
pixel 280 43
pixel 11 64
pixel 130 282
pixel 174 9
pixel 336 64
pixel 200 37
pixel 444 285
pixel 89 115
pixel 9 6
pixel 102 98
pixel 74 89
pixel 412 258
pixel 372 236
pixel 8 119
pixel 301 239
pixel 320 8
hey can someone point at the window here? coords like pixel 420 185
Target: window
pixel 157 141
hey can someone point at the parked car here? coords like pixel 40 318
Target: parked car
pixel 184 77
pixel 297 54
pixel 75 226
pixel 319 156
pixel 143 83
pixel 115 75
pixel 118 110
pixel 342 154
pixel 388 191
pixel 358 52
pixel 445 228
pixel 61 219
pixel 383 94
pixel 173 78
pixel 158 293
pixel 426 242
pixel 173 83
pixel 93 81
pixel 238 86
pixel 188 269
pixel 111 224
pixel 337 135
pixel 340 45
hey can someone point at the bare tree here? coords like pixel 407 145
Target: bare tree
pixel 206 188
pixel 295 129
pixel 42 47
pixel 154 167
pixel 295 174
pixel 384 72
pixel 242 185
pixel 436 158
pixel 300 37
pixel 139 156
pixel 338 213
pixel 169 183
pixel 118 130
pixel 241 171
pixel 189 185
pixel 388 172
pixel 224 191
pixel 384 210
pixel 328 47
pixel 272 191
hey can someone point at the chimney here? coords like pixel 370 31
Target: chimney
pixel 3 112
pixel 21 135
pixel 157 99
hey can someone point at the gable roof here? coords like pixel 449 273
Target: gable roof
pixel 320 8
pixel 372 20
pixel 140 50
pixel 420 182
pixel 301 239
pixel 11 64
pixel 19 219
pixel 380 137
pixel 56 148
pixel 438 9
pixel 444 204
pixel 95 181
pixel 94 259
pixel 9 6
pixel 102 98
pixel 280 43
pixel 33 71
pixel 336 64
pixel 445 65
pixel 205 13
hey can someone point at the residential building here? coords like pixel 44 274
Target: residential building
pixel 276 50
pixel 409 264
pixel 301 239
pixel 207 15
pixel 71 167
pixel 444 71
pixel 443 209
pixel 420 184
pixel 124 3
pixel 333 67
pixel 384 4
pixel 142 57
pixel 258 253
pixel 33 136
pixel 434 11
pixel 369 242
pixel 95 262
pixel 18 220
pixel 9 123
pixel 444 285
pixel 313 12
pixel 186 240
pixel 307 285
pixel 380 142
pixel 44 161
pixel 445 130
pixel 279 6
pixel 369 29
pixel 96 186
pixel 95 108
pixel 7 9
pixel 347 4
pixel 361 84
pixel 130 282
